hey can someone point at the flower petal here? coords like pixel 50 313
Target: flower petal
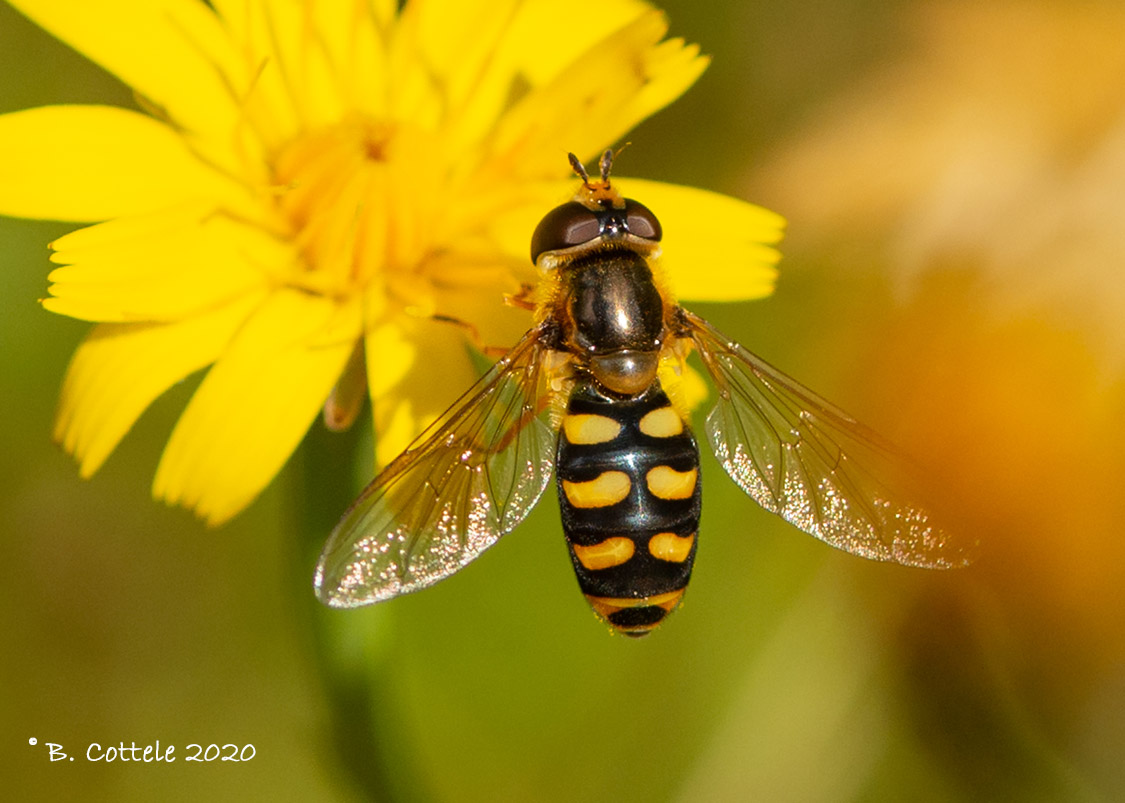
pixel 306 54
pixel 468 285
pixel 467 79
pixel 256 403
pixel 505 57
pixel 120 369
pixel 407 395
pixel 715 248
pixel 598 20
pixel 88 163
pixel 339 40
pixel 161 267
pixel 510 227
pixel 604 93
pixel 684 385
pixel 173 52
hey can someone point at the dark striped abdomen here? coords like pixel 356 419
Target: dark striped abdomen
pixel 629 493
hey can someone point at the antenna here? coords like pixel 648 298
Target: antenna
pixel 578 168
pixel 605 165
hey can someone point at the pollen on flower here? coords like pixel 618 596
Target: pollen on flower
pixel 336 190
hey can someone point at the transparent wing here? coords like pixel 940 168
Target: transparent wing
pixel 811 463
pixel 471 477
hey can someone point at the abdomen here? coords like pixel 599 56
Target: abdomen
pixel 629 492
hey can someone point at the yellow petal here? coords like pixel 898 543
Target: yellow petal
pixel 412 393
pixel 586 23
pixel 173 52
pixel 492 324
pixel 598 98
pixel 309 55
pixel 475 73
pixel 505 57
pixel 715 248
pixel 161 267
pixel 88 163
pixel 256 402
pixel 120 369
pixel 389 353
pixel 685 386
pixel 509 229
pixel 352 36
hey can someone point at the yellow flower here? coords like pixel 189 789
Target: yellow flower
pixel 317 176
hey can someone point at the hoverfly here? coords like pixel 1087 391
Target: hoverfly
pixel 580 396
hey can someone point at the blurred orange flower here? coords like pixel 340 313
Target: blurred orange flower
pixel 984 171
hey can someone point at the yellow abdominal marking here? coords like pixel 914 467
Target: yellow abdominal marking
pixel 663 422
pixel 671 547
pixel 667 483
pixel 610 552
pixel 607 489
pixel 605 606
pixel 585 429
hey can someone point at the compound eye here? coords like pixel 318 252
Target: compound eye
pixel 564 227
pixel 641 222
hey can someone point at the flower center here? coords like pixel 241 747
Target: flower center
pixel 353 199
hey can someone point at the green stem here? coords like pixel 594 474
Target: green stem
pixel 349 650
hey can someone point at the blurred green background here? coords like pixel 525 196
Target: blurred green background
pixel 953 275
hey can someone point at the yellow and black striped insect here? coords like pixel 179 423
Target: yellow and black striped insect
pixel 580 395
